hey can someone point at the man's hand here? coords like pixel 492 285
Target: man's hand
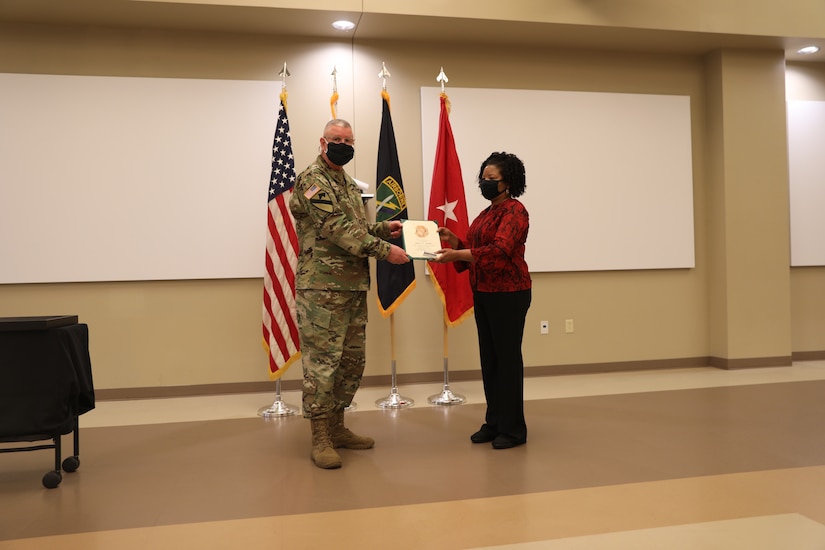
pixel 397 255
pixel 395 229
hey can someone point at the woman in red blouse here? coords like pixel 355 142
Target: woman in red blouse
pixel 494 254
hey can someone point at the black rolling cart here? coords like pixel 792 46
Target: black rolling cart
pixel 45 385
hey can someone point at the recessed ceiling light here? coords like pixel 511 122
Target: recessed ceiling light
pixel 343 25
pixel 807 50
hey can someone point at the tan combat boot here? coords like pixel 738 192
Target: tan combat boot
pixel 342 437
pixel 323 453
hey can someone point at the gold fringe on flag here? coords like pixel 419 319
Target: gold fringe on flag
pixel 444 95
pixel 333 101
pixel 283 368
pixel 464 316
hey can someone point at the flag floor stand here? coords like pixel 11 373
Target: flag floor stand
pixel 278 408
pixel 446 397
pixel 394 400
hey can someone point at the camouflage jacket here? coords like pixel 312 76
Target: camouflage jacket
pixel 334 235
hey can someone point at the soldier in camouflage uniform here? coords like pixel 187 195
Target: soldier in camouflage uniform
pixel 333 277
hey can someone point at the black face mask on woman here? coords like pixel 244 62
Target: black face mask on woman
pixel 489 189
pixel 339 153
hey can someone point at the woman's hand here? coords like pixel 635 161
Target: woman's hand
pixel 445 255
pixel 448 236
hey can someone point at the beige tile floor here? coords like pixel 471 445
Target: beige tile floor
pixel 189 409
pixel 773 509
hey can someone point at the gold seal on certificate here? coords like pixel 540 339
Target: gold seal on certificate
pixel 421 239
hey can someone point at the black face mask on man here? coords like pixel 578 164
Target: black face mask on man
pixel 489 189
pixel 339 153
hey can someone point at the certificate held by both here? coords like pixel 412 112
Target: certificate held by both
pixel 421 239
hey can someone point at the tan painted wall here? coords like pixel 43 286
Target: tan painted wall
pixel 203 332
pixel 806 82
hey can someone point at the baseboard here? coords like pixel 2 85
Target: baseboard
pixel 750 362
pixel 808 355
pixel 617 366
pixel 115 394
pixel 154 392
pixel 463 375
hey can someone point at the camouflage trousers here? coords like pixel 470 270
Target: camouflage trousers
pixel 332 327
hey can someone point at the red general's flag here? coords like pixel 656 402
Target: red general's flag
pixel 280 327
pixel 449 209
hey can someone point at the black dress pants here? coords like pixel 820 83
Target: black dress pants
pixel 500 318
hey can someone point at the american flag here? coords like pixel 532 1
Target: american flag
pixel 280 329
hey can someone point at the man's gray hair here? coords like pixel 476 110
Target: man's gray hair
pixel 337 122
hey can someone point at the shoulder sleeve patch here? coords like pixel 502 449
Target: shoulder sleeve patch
pixel 320 200
pixel 309 193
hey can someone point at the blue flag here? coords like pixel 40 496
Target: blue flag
pixel 395 282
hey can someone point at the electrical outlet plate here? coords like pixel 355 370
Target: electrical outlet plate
pixel 568 326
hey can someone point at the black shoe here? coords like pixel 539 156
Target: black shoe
pixel 502 441
pixel 484 435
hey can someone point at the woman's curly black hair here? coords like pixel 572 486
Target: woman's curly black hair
pixel 512 171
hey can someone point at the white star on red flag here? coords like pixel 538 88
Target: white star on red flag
pixel 449 210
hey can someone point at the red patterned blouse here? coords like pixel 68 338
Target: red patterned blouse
pixel 496 240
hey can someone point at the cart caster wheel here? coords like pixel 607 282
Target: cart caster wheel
pixel 52 479
pixel 71 463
